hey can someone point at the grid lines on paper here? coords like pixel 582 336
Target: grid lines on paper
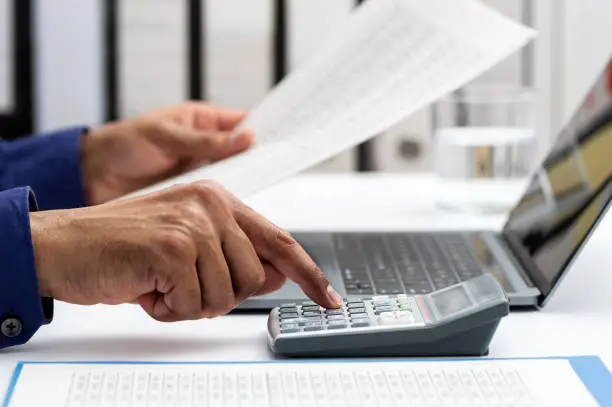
pixel 300 386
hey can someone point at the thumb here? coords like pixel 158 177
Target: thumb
pixel 204 145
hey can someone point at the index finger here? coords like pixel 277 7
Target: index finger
pixel 282 251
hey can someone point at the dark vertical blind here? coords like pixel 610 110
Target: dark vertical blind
pixel 20 121
pixel 365 151
pixel 196 40
pixel 111 59
pixel 280 40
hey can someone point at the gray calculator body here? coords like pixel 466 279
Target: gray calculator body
pixel 456 321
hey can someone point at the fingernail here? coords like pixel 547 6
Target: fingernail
pixel 334 296
pixel 238 139
pixel 237 133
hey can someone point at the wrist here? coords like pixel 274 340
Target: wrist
pixel 92 166
pixel 42 243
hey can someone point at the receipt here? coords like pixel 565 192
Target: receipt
pixel 392 58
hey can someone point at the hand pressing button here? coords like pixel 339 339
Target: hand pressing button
pixel 11 327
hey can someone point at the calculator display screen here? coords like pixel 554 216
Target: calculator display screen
pixel 451 301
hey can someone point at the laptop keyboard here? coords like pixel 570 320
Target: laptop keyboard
pixel 403 263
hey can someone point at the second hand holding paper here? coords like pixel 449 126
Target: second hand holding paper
pixel 393 58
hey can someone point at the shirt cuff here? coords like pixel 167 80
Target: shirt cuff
pixel 50 165
pixel 22 310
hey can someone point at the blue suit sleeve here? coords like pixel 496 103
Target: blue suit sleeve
pixel 49 164
pixel 22 310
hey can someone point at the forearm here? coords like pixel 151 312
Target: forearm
pixel 22 310
pixel 49 164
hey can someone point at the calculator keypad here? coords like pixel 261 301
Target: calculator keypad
pixel 377 311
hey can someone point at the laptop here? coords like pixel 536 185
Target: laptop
pixel 566 198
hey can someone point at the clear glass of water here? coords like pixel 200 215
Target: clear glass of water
pixel 484 147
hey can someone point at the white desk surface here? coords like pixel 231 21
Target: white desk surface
pixel 577 321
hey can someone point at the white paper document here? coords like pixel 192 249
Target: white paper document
pixel 499 383
pixel 390 59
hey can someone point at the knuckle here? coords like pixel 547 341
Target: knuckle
pixel 221 306
pixel 175 244
pixel 259 281
pixel 160 128
pixel 282 238
pixel 192 305
pixel 207 188
pixel 192 211
pixel 255 282
pixel 189 305
pixel 318 278
pixel 210 193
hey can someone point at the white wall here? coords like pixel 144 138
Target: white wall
pixel 238 51
pixel 6 51
pixel 588 45
pixel 152 55
pixel 69 84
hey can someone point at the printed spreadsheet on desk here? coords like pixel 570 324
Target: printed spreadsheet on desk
pixel 516 383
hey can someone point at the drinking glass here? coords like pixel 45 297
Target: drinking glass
pixel 484 145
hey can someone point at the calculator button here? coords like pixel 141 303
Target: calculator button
pixel 355 304
pixel 289 315
pixel 337 324
pixel 313 326
pixel 286 312
pixel 334 312
pixel 290 328
pixel 380 310
pixel 309 304
pixel 290 321
pixel 358 323
pixel 387 317
pixel 311 313
pixel 357 311
pixel 360 315
pixel 311 308
pixel 336 318
pixel 400 317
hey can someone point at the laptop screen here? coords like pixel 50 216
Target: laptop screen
pixel 569 192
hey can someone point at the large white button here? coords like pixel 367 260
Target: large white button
pixel 396 318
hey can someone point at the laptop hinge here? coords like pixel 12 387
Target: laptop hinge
pixel 518 256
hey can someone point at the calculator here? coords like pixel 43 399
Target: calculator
pixel 459 320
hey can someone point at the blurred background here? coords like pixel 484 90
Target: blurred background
pixel 68 62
